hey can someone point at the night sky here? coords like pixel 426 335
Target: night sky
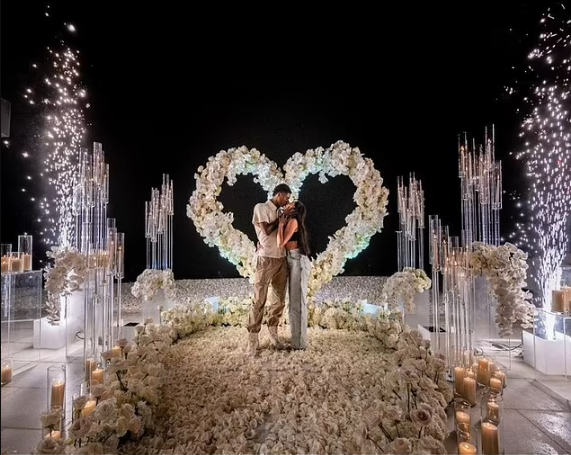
pixel 169 86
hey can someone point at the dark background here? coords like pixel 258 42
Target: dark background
pixel 169 86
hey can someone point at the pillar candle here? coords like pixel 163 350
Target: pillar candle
pixel 490 439
pixel 458 379
pixel 89 408
pixel 116 351
pixel 5 264
pixel 470 373
pixel 6 374
pixel 97 376
pixel 465 448
pixel 502 377
pixel 483 372
pixel 58 394
pixel 557 301
pixel 27 262
pixel 493 411
pixel 496 384
pixel 90 365
pixel 470 390
pixel 16 265
pixel 567 298
pixel 463 417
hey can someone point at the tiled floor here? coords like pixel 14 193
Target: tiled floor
pixel 537 407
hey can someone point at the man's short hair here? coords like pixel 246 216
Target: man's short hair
pixel 282 188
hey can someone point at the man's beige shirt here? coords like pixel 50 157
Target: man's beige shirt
pixel 267 212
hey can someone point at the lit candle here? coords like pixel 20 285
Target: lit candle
pixel 463 418
pixel 465 448
pixel 469 388
pixel 490 439
pixel 6 374
pixel 54 435
pixel 5 264
pixel 496 384
pixel 97 376
pixel 116 351
pixel 16 265
pixel 470 373
pixel 90 365
pixel 458 379
pixel 502 377
pixel 89 408
pixel 567 298
pixel 493 411
pixel 483 372
pixel 27 262
pixel 58 394
pixel 558 301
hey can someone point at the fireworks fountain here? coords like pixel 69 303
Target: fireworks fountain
pixel 547 154
pixel 61 98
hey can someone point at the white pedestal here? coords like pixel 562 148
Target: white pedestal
pixel 214 303
pixel 128 330
pixel 427 334
pixel 151 309
pixel 47 336
pixel 551 357
pixel 73 312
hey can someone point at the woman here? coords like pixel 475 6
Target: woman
pixel 292 235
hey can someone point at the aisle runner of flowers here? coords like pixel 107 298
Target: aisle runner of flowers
pixel 350 392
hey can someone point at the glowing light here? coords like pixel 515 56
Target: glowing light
pixel 60 96
pixel 546 133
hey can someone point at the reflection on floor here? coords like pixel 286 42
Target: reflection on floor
pixel 537 407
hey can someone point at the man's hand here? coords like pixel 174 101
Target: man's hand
pixel 289 211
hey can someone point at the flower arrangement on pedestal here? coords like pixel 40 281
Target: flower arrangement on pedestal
pixel 371 198
pixel 64 277
pixel 505 268
pixel 404 286
pixel 152 281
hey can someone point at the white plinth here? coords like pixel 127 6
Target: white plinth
pixel 214 303
pixel 47 336
pixel 152 308
pixel 427 334
pixel 551 357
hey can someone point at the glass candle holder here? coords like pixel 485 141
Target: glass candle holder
pixel 462 418
pixel 90 365
pixel 25 250
pixel 7 370
pixel 79 399
pixel 499 372
pixel 469 387
pixel 490 438
pixel 56 387
pixel 470 445
pixel 16 265
pixel 120 258
pixel 491 407
pixel 5 256
pixel 97 375
pixel 484 372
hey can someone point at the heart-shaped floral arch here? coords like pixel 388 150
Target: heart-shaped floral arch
pixel 371 198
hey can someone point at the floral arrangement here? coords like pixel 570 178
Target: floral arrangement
pixel 152 281
pixel 371 198
pixel 505 268
pixel 407 416
pixel 64 277
pixel 404 286
pixel 122 409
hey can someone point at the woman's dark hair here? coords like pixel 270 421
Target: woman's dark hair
pixel 303 239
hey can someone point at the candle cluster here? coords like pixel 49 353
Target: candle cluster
pixel 410 236
pixel 159 212
pixel 17 261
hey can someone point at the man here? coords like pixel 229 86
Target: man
pixel 271 269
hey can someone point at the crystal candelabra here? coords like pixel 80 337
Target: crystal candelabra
pixel 453 280
pixel 481 190
pixel 97 238
pixel 410 236
pixel 159 213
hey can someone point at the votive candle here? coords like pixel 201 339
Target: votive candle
pixel 502 377
pixel 493 411
pixel 116 351
pixel 6 374
pixel 463 418
pixel 89 408
pixel 490 439
pixel 496 384
pixel 97 376
pixel 54 434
